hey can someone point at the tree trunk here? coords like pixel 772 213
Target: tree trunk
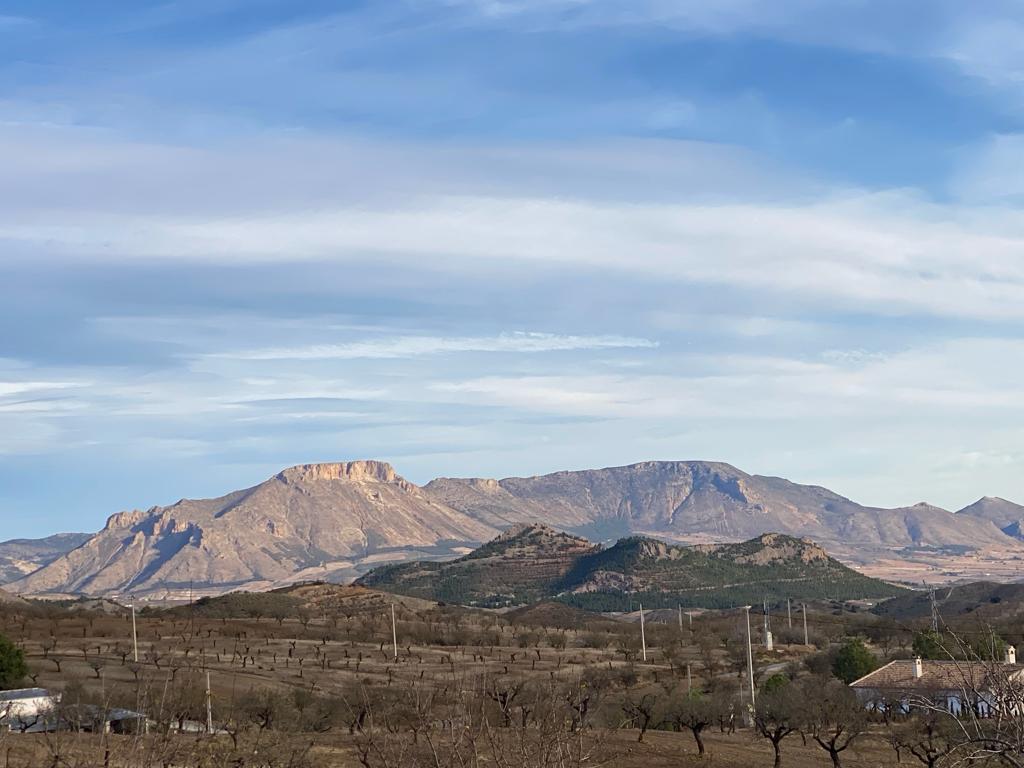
pixel 777 746
pixel 699 740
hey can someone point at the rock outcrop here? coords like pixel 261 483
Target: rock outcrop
pixel 337 520
pixel 317 519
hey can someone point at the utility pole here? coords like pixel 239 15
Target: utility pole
pixel 394 631
pixel 805 623
pixel 935 611
pixel 768 642
pixel 789 612
pixel 135 635
pixel 209 705
pixel 643 637
pixel 680 618
pixel 689 680
pixel 750 659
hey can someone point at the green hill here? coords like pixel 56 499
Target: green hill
pixel 533 563
pixel 660 575
pixel 521 566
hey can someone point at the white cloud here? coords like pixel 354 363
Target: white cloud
pixel 981 377
pixel 414 346
pixel 21 388
pixel 888 254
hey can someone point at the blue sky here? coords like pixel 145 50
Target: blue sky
pixel 499 237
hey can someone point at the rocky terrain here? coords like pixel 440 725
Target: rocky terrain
pixel 522 565
pixel 20 557
pixel 534 563
pixel 336 521
pixel 322 520
pixel 682 499
pixel 1005 515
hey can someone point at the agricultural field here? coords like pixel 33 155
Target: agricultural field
pixel 309 676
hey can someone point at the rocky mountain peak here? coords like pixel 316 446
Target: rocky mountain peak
pixel 532 537
pixel 362 471
pixel 538 535
pixel 527 530
pixel 778 547
pixel 1005 515
pixel 126 519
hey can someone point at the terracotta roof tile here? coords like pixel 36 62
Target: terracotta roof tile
pixel 935 675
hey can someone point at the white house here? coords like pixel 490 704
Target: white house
pixel 20 708
pixel 956 686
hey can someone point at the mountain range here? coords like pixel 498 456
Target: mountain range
pixel 1005 515
pixel 20 557
pixel 530 563
pixel 336 521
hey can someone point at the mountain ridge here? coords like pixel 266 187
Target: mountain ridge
pixel 20 557
pixel 336 520
pixel 305 517
pixel 1005 515
pixel 695 497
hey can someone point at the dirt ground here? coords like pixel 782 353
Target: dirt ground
pixel 619 749
pixel 345 650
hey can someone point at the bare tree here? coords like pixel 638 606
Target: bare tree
pixel 779 713
pixel 695 711
pixel 929 737
pixel 641 711
pixel 834 716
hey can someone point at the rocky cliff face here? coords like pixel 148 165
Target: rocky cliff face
pixel 336 520
pixel 320 519
pixel 678 499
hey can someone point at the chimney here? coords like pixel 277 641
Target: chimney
pixel 1011 655
pixel 918 668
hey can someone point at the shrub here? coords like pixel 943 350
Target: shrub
pixel 853 661
pixel 12 664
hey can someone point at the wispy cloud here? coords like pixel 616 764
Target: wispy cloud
pixel 232 246
pixel 892 253
pixel 20 388
pixel 415 346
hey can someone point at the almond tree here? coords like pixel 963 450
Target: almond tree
pixel 696 711
pixel 834 716
pixel 928 737
pixel 779 713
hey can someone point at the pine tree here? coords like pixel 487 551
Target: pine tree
pixel 12 664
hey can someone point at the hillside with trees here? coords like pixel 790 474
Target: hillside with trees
pixel 533 563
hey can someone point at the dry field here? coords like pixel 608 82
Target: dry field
pixel 618 749
pixel 453 666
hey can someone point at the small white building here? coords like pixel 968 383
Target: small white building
pixel 26 708
pixel 953 685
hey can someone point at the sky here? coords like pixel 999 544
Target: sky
pixel 507 237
